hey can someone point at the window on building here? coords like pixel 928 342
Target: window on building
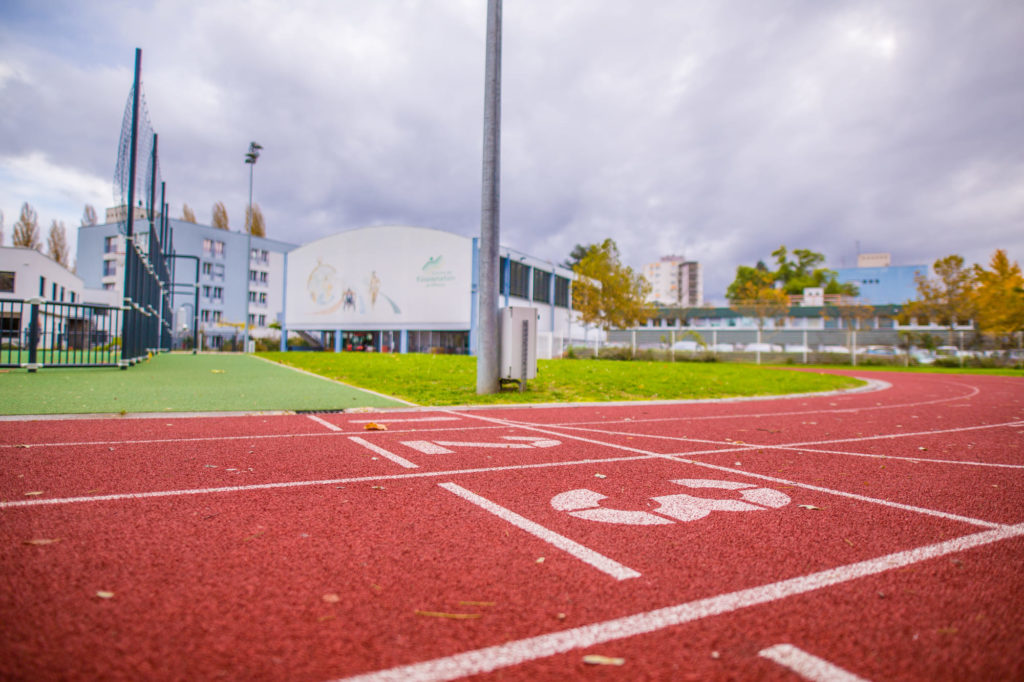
pixel 262 320
pixel 561 292
pixel 110 245
pixel 207 269
pixel 263 278
pixel 519 279
pixel 217 315
pixel 62 294
pixel 252 319
pixel 218 271
pixel 218 292
pixel 206 292
pixel 541 286
pixel 263 298
pixel 53 291
pixel 109 268
pixel 207 247
pixel 252 297
pixel 254 276
pixel 7 282
pixel 108 286
pixel 204 315
pixel 218 249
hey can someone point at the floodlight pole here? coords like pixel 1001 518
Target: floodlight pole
pixel 251 157
pixel 487 350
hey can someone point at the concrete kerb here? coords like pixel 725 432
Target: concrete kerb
pixel 871 385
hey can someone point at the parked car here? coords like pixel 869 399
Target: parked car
pixel 834 349
pixel 880 351
pixel 723 348
pixel 797 348
pixel 691 346
pixel 763 348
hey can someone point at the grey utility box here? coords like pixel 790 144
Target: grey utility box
pixel 518 360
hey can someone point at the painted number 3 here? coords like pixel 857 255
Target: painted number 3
pixel 584 504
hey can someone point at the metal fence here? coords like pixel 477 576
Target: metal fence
pixel 38 333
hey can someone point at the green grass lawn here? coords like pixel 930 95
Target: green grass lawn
pixel 176 383
pixel 451 379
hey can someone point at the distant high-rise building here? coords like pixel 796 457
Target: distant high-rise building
pixel 675 281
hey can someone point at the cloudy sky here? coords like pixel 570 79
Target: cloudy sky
pixel 717 129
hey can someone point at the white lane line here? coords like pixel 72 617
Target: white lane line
pixel 806 665
pixel 840 493
pixel 324 422
pixel 10 504
pixel 493 658
pixel 958 429
pixel 427 447
pixel 973 391
pixel 209 439
pixel 584 554
pixel 395 421
pixel 400 461
pixel 802 447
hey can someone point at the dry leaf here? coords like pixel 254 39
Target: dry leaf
pixel 540 560
pixel 41 541
pixel 217 371
pixel 847 541
pixel 331 598
pixel 594 659
pixel 103 594
pixel 374 426
pixel 452 616
pixel 34 493
pixel 809 506
pixel 600 476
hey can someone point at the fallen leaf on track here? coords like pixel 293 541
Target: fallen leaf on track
pixel 103 594
pixel 331 598
pixel 809 506
pixel 41 541
pixel 374 426
pixel 594 659
pixel 33 493
pixel 451 616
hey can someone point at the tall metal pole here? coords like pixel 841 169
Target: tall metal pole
pixel 250 158
pixel 487 372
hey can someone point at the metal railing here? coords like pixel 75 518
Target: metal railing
pixel 38 333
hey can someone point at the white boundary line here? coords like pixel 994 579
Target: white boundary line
pixel 571 547
pixel 802 446
pixel 806 665
pixel 335 381
pixel 500 656
pixel 401 461
pixel 841 493
pixel 324 422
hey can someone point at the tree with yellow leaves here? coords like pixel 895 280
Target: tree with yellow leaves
pixel 998 296
pixel 607 293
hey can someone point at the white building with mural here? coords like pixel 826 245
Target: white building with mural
pixel 398 288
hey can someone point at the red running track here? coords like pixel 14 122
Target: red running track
pixel 876 534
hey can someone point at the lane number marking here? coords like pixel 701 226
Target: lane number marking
pixel 441 447
pixel 585 504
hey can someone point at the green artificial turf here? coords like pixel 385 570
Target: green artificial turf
pixel 176 383
pixel 451 379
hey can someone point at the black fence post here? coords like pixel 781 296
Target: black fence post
pixel 33 333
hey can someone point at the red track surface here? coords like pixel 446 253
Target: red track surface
pixel 883 534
